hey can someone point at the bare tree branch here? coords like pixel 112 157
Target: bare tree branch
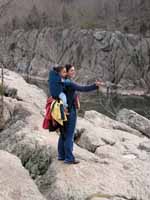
pixel 4 7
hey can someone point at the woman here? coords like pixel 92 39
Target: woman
pixel 65 143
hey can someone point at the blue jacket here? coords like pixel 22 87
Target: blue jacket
pixel 55 84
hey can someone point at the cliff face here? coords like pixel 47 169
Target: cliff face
pixel 37 34
pixel 112 56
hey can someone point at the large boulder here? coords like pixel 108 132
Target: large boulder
pixel 134 120
pixel 103 121
pixel 15 182
pixel 114 165
pixel 23 134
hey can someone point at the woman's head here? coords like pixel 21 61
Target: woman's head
pixel 61 70
pixel 70 70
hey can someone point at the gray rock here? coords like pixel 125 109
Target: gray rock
pixel 135 121
pixel 117 167
pixel 145 146
pixel 8 110
pixel 15 180
pixel 103 121
pixel 10 92
pixel 114 159
pixel 23 134
pixel 96 54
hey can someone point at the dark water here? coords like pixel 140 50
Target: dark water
pixel 108 104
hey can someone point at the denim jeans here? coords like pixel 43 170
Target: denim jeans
pixel 65 142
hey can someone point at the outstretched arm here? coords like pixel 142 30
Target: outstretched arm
pixel 80 88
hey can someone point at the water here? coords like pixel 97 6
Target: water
pixel 112 104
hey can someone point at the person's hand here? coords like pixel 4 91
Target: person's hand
pixel 99 83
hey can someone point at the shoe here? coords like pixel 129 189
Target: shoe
pixel 72 162
pixel 61 159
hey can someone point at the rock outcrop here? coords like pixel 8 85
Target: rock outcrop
pixel 112 56
pixel 114 157
pixel 134 120
pixel 15 180
pixel 114 165
pixel 23 125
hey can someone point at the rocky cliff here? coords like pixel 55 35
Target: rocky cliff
pixel 97 36
pixel 114 155
pixel 123 59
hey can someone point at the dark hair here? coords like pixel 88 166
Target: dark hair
pixel 58 68
pixel 68 67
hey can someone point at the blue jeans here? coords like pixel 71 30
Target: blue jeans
pixel 65 142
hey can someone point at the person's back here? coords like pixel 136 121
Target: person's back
pixel 55 83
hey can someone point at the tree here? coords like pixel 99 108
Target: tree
pixel 143 29
pixel 15 23
pixel 44 20
pixel 33 20
pixel 2 93
pixel 65 16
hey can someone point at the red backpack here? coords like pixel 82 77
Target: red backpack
pixel 49 122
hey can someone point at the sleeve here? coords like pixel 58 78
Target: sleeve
pixel 62 96
pixel 80 88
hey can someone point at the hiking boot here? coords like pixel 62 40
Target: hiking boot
pixel 72 162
